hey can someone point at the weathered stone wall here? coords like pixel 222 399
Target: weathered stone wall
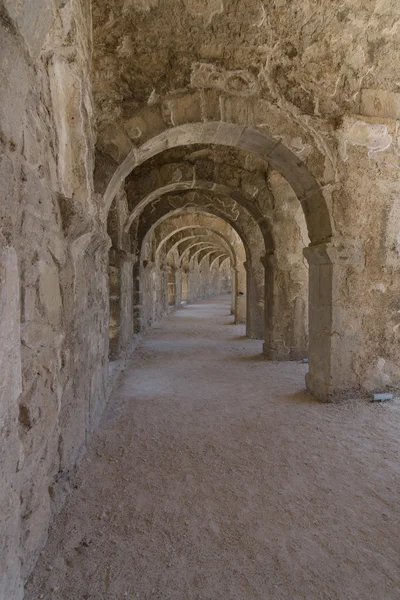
pixel 359 273
pixel 53 279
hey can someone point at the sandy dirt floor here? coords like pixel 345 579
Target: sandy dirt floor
pixel 214 476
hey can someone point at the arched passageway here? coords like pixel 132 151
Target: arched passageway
pixel 205 277
pixel 154 153
pixel 272 298
pixel 149 194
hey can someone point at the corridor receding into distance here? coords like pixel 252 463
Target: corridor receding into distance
pixel 199 299
pixel 215 475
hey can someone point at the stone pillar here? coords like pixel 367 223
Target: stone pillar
pixel 114 303
pixel 335 320
pixel 190 284
pixel 362 264
pixel 126 260
pixel 178 287
pixel 270 349
pixel 137 298
pixel 121 302
pixel 255 303
pixel 234 287
pixel 241 297
pixel 149 298
pixel 185 284
pixel 171 288
pixel 285 335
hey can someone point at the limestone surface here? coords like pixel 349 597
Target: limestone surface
pixel 156 152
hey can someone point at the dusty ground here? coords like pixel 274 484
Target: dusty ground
pixel 214 476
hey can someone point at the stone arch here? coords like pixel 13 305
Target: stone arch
pixel 214 255
pixel 184 247
pixel 196 249
pixel 220 259
pixel 194 231
pixel 226 208
pixel 252 279
pixel 305 186
pixel 187 234
pixel 271 201
pixel 242 228
pixel 198 257
pixel 250 139
pixel 210 187
pixel 188 216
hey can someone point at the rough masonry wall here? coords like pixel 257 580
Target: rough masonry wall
pixel 53 280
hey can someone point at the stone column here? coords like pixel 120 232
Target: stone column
pixel 171 288
pixel 126 260
pixel 285 332
pixel 190 284
pixel 360 269
pixel 234 287
pixel 121 302
pixel 270 349
pixel 185 284
pixel 137 298
pixel 255 303
pixel 114 303
pixel 335 320
pixel 241 297
pixel 178 287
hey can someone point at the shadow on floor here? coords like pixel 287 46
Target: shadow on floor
pixel 251 358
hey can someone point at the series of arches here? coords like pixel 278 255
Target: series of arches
pixel 261 157
pixel 243 199
pixel 176 170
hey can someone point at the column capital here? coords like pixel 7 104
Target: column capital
pixel 346 251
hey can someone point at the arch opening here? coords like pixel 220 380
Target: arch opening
pixel 174 235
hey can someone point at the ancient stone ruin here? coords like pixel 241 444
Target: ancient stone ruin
pixel 156 152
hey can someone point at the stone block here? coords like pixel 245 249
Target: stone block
pixel 184 109
pixel 255 140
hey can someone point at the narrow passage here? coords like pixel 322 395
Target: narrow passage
pixel 215 476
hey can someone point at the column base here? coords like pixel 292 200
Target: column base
pixel 335 395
